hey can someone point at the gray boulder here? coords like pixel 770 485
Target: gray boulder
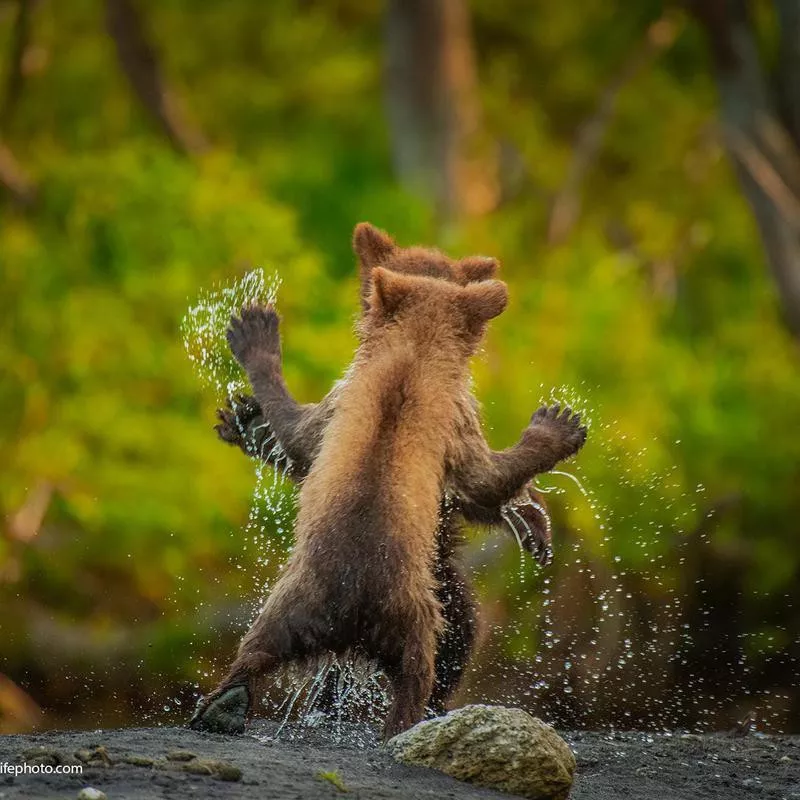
pixel 501 748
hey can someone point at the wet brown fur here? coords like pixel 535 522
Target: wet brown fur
pixel 300 430
pixel 361 576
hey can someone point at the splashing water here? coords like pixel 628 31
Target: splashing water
pixel 572 478
pixel 346 698
pixel 203 329
pixel 204 325
pixel 618 635
pixel 598 642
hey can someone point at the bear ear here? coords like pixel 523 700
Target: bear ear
pixel 371 245
pixel 485 300
pixel 388 291
pixel 479 268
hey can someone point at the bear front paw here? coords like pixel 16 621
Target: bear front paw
pixel 529 521
pixel 254 336
pixel 236 418
pixel 564 433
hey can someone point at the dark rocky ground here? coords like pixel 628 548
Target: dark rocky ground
pixel 621 765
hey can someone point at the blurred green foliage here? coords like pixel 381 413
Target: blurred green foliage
pixel 670 339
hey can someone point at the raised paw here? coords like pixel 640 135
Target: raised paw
pixel 560 431
pixel 254 335
pixel 222 712
pixel 529 520
pixel 236 418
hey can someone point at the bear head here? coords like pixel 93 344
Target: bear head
pixel 375 248
pixel 431 312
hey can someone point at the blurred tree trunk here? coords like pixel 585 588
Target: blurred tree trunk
pixel 13 176
pixel 761 117
pixel 139 62
pixel 566 207
pixel 433 106
pixel 19 44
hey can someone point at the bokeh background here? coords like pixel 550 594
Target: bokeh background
pixel 636 168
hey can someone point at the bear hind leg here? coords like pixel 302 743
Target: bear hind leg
pixel 275 638
pixel 411 675
pixel 455 643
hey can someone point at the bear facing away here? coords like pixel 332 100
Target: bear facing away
pixel 280 430
pixel 275 427
pixel 361 576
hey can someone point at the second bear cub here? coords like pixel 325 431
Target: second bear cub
pixel 361 575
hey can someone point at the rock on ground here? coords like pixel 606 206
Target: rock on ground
pixel 90 793
pixel 493 746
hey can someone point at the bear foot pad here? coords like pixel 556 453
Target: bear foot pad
pixel 225 713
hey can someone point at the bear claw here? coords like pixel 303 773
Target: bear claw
pixel 236 417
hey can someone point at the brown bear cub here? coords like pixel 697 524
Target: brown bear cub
pixel 291 434
pixel 361 578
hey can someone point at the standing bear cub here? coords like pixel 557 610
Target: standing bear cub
pixel 360 579
pixel 273 425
